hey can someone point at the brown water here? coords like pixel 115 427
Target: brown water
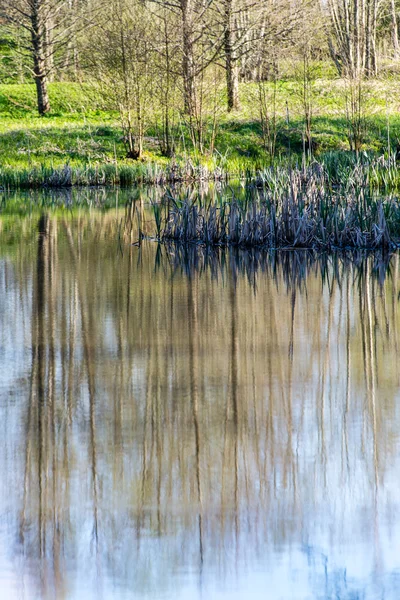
pixel 189 425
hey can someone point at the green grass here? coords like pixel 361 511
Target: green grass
pixel 80 133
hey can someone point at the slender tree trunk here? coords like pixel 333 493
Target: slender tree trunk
pixel 188 60
pixel 232 84
pixel 355 25
pixel 362 34
pixel 167 141
pixel 39 56
pixel 395 29
pixel 49 50
pixel 370 26
pixel 356 37
pixel 232 81
pixel 374 25
pixel 140 129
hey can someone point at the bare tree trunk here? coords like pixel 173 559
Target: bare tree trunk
pixel 354 27
pixel 140 129
pixel 49 50
pixel 374 64
pixel 370 37
pixel 38 34
pixel 362 34
pixel 368 40
pixel 232 84
pixel 167 147
pixel 395 29
pixel 232 81
pixel 188 59
pixel 71 60
pixel 356 37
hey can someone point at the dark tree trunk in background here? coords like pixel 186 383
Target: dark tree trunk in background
pixel 188 59
pixel 232 85
pixel 232 81
pixel 39 36
pixel 43 101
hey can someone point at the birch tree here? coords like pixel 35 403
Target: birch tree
pixel 395 29
pixel 352 36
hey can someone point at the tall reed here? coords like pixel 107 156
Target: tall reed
pixel 299 209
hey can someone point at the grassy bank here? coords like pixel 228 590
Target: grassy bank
pixel 80 143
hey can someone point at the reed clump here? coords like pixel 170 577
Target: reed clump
pixel 380 173
pixel 298 209
pixel 110 174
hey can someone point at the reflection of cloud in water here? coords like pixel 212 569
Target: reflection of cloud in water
pixel 196 425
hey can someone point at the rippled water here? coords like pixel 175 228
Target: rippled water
pixel 182 424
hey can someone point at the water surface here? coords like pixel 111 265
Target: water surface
pixel 178 423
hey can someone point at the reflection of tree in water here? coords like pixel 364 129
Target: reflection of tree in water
pixel 202 409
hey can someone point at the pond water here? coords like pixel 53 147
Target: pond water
pixel 186 424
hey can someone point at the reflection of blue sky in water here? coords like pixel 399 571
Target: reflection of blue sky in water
pixel 298 485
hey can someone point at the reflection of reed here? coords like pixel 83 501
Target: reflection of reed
pixel 164 403
pixel 292 267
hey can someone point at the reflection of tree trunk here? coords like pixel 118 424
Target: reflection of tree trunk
pixel 31 416
pixel 259 417
pixel 42 414
pixel 289 451
pixel 394 305
pixel 118 395
pixel 147 420
pixel 41 268
pixel 38 370
pixel 71 350
pixel 87 328
pixel 193 374
pixel 51 433
pixel 361 302
pixel 282 385
pixel 348 370
pixel 372 371
pixel 157 419
pixel 234 395
pixel 325 368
